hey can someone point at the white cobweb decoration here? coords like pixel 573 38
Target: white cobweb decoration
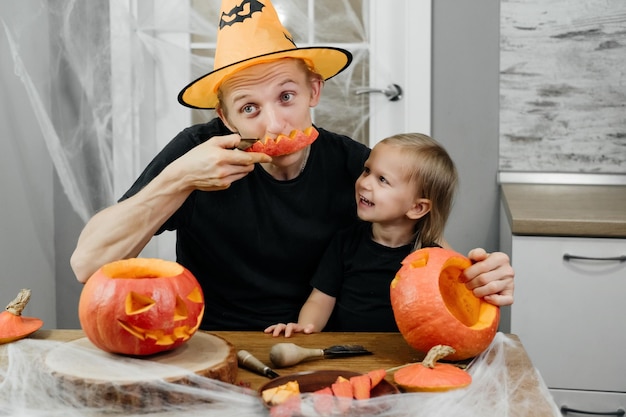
pixel 29 389
pixel 83 93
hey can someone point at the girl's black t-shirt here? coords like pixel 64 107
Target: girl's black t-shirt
pixel 358 271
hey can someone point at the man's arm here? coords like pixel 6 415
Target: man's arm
pixel 124 229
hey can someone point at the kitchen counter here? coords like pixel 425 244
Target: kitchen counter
pixel 389 350
pixel 566 210
pixel 567 243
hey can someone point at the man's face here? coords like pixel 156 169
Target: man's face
pixel 268 99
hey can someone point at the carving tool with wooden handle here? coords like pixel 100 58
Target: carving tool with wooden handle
pixel 246 143
pixel 288 354
pixel 246 360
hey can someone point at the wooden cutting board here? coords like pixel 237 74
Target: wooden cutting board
pixel 80 366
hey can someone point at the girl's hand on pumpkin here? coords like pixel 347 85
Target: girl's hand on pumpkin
pixel 214 165
pixel 491 277
pixel 288 329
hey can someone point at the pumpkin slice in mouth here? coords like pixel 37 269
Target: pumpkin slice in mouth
pixel 285 144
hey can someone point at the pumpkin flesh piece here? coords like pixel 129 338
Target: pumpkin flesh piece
pixel 342 389
pixel 324 401
pixel 361 386
pixel 376 376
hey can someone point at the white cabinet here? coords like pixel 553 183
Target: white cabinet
pixel 570 316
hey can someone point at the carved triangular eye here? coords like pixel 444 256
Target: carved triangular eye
pixel 195 296
pixel 181 309
pixel 138 303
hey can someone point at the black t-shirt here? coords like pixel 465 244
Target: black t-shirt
pixel 255 246
pixel 358 271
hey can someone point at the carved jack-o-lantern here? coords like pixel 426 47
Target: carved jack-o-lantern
pixel 141 306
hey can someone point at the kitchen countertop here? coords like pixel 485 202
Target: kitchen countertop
pixel 566 210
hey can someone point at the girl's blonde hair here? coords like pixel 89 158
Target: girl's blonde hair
pixel 435 176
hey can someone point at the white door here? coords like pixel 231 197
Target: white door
pixel 400 44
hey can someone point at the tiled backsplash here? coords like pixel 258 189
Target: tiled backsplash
pixel 563 86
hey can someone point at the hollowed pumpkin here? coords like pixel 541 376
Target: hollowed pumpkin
pixel 141 306
pixel 285 144
pixel 433 307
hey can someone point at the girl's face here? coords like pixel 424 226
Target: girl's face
pixel 384 191
pixel 268 99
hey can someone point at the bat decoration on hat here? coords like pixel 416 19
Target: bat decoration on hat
pixel 240 13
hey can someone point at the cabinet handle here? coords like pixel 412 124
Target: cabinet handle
pixel 620 412
pixel 568 257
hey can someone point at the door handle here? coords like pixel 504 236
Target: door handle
pixel 393 91
pixel 619 412
pixel 568 257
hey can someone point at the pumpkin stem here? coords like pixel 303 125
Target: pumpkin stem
pixel 436 353
pixel 16 306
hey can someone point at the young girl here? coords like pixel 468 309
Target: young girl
pixel 404 196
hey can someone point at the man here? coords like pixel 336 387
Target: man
pixel 252 226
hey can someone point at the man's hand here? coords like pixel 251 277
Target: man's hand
pixel 215 165
pixel 490 277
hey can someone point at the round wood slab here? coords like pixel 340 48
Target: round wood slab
pixel 204 354
pixel 130 382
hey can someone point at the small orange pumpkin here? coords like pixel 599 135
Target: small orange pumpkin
pixel 432 306
pixel 14 326
pixel 284 144
pixel 431 376
pixel 141 306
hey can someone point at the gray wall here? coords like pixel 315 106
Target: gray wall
pixel 465 107
pixel 465 114
pixel 27 252
pixel 465 119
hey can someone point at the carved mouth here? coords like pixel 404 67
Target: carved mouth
pixel 138 304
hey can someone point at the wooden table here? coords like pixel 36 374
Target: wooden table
pixel 389 350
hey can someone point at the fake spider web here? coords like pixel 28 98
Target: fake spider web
pixel 96 84
pixel 29 389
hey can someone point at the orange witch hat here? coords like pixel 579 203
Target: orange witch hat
pixel 251 33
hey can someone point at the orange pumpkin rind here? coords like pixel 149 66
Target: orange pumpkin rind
pixel 285 144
